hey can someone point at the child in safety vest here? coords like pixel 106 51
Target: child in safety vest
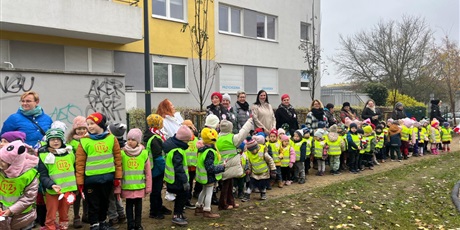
pixel 300 148
pixel 319 146
pixel 422 137
pixel 98 169
pixel 446 136
pixel 369 143
pixel 192 156
pixel 274 146
pixel 57 176
pixel 342 131
pixel 380 143
pixel 137 178
pixel 435 136
pixel 354 146
pixel 208 171
pixel 308 139
pixel 335 146
pixel 79 130
pixel 17 170
pixel 176 171
pixel 261 167
pixel 287 158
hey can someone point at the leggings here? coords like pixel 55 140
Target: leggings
pixel 205 197
pixel 286 173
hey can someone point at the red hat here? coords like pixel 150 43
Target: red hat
pixel 99 119
pixel 284 96
pixel 217 94
pixel 259 130
pixel 274 131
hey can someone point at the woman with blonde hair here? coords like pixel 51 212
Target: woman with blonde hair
pixel 172 120
pixel 315 115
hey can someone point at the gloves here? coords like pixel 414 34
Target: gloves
pixel 273 174
pixel 186 186
pixel 291 164
pixel 116 182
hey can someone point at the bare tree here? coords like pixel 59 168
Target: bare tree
pixel 392 53
pixel 312 55
pixel 204 69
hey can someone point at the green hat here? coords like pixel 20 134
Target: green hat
pixel 55 133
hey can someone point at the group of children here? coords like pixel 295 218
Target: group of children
pixel 92 164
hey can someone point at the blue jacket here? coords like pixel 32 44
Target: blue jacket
pixel 19 122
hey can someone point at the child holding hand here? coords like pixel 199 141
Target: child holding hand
pixel 287 157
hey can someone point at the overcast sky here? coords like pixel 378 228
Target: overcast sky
pixel 352 16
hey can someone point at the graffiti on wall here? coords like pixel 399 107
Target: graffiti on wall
pixel 16 84
pixel 66 113
pixel 105 96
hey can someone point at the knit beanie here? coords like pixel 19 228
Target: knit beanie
pixel 209 136
pixel 226 126
pixel 218 95
pixel 59 125
pixel 13 136
pixel 155 121
pixel 299 132
pixel 55 133
pixel 259 139
pixel 434 123
pixel 226 97
pixel 284 138
pixel 445 124
pixel 367 129
pixel 321 124
pixel 281 131
pixel 252 145
pixel 117 129
pixel 79 121
pixel 346 104
pixel 284 96
pixel 211 121
pixel 184 133
pixel 319 133
pixel 333 128
pixel 135 134
pixel 274 131
pixel 99 119
pixel 353 125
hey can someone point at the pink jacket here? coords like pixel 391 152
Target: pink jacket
pixel 131 194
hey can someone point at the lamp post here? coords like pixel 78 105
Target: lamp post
pixel 147 62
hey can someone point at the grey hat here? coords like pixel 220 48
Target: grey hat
pixel 117 129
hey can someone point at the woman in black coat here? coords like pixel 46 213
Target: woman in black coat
pixel 436 111
pixel 371 112
pixel 285 114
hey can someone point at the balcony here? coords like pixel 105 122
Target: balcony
pixel 94 20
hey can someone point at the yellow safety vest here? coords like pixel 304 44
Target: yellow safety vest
pixel 134 170
pixel 275 147
pixel 99 153
pixel 380 140
pixel 170 174
pixel 334 146
pixel 286 156
pixel 405 133
pixel 11 189
pixel 192 152
pixel 258 164
pixel 201 173
pixel 225 146
pixel 446 134
pixel 149 150
pixel 62 172
pixel 318 152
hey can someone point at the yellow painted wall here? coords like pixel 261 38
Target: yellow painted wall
pixel 165 37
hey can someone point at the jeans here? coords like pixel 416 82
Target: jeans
pixel 299 170
pixel 115 207
pixel 396 149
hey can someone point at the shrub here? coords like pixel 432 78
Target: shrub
pixel 408 101
pixel 378 92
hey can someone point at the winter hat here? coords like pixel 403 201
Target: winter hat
pixel 360 131
pixel 274 131
pixel 306 130
pixel 252 145
pixel 299 132
pixel 184 133
pixel 189 124
pixel 211 121
pixel 99 119
pixel 319 133
pixel 284 96
pixel 117 129
pixel 284 138
pixel 333 129
pixel 135 134
pixel 218 95
pixel 367 129
pixel 281 131
pixel 353 125
pixel 155 121
pixel 79 121
pixel 209 136
pixel 226 97
pixel 379 127
pixel 398 104
pixel 434 123
pixel 445 124
pixel 259 139
pixel 226 126
pixel 55 133
pixel 346 104
pixel 321 124
pixel 390 120
pixel 13 136
pixel 15 154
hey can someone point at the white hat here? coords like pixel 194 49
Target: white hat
pixel 226 97
pixel 211 121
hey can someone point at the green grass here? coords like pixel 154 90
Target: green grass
pixel 415 196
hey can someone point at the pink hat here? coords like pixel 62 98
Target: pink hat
pixel 284 96
pixel 15 154
pixel 79 121
pixel 135 134
pixel 184 133
pixel 284 138
pixel 259 139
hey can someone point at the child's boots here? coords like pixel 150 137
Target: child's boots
pixel 246 197
pixel 263 196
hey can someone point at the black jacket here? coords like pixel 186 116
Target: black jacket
pixel 436 112
pixel 368 113
pixel 219 111
pixel 283 117
pixel 180 176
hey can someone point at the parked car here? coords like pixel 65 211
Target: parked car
pixel 449 118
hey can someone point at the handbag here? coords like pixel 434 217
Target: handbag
pixel 233 168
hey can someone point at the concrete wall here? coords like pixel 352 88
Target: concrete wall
pixel 64 95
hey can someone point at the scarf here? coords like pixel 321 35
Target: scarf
pixel 132 152
pixel 99 136
pixel 60 151
pixel 244 106
pixel 33 112
pixel 78 137
pixel 287 108
pixel 372 108
pixel 158 132
pixel 318 114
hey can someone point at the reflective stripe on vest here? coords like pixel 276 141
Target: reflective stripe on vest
pixel 318 149
pixel 334 146
pixel 275 150
pixel 405 133
pixel 169 169
pixel 13 188
pixel 225 146
pixel 192 152
pixel 369 140
pixel 437 136
pixel 62 172
pixel 133 170
pixel 99 153
pixel 258 164
pixel 446 136
pixel 422 133
pixel 286 156
pixel 149 150
pixel 380 140
pixel 201 173
pixel 356 140
pixel 296 147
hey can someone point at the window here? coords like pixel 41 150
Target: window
pixel 250 78
pixel 305 31
pixel 229 19
pixel 88 60
pixel 170 9
pixel 231 78
pixel 266 26
pixel 267 79
pixel 304 80
pixel 171 77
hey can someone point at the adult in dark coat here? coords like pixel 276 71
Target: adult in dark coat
pixel 436 111
pixel 371 112
pixel 398 111
pixel 216 107
pixel 329 113
pixel 347 111
pixel 286 114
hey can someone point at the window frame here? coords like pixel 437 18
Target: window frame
pixel 308 32
pixel 266 27
pixel 170 76
pixel 305 78
pixel 229 20
pixel 168 12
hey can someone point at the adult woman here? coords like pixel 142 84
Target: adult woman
pixel 436 111
pixel 262 113
pixel 242 109
pixel 286 115
pixel 347 111
pixel 216 107
pixel 329 113
pixel 398 112
pixel 315 115
pixel 30 119
pixel 231 115
pixel 371 112
pixel 172 120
